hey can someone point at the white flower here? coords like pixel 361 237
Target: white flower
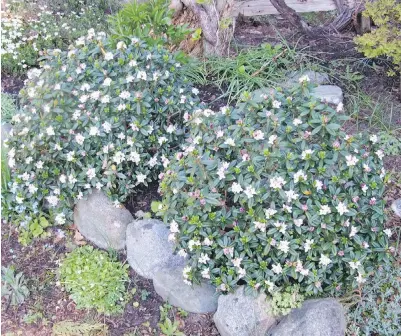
pixel 121 45
pixel 141 178
pixel 297 122
pixel 192 243
pixel 205 273
pixel 182 253
pixel 351 160
pixel 258 135
pixel 83 99
pixel 79 138
pixel 318 185
pixel 277 269
pixel 250 191
pixel 308 244
pixel 91 173
pixel 94 131
pixel 204 258
pixel 119 157
pixel 287 208
pixel 236 188
pixel 270 213
pixel 134 157
pixel 284 246
pixel 162 140
pixel 354 231
pixel 272 138
pixel 76 115
pixel 298 222
pixel 53 200
pixel 174 227
pixel 380 154
pixel 19 200
pixel 107 82
pixel 171 129
pixel 70 156
pixel 60 219
pixel 260 226
pixel 124 95
pixel 241 272
pixel 354 264
pixel 373 138
pixel 230 142
pixel 365 188
pixel 304 78
pixel 340 107
pixel 62 178
pixel 342 208
pixel 299 176
pixel 360 279
pixel 277 182
pixel 291 195
pixel 281 226
pixel 324 210
pixel 270 285
pixel 366 168
pixel 105 99
pixel 153 161
pixel 106 127
pixel 276 104
pixel 324 260
pixel 186 270
pixel 32 189
pixel 307 153
pixel 85 87
pixel 121 107
pixel 108 56
pixel 207 242
pixel 132 63
pixel 50 131
pixel 39 164
pixel 388 232
pixel 141 75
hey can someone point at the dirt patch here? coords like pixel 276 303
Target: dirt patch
pixel 50 304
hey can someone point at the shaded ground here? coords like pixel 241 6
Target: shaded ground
pixel 49 304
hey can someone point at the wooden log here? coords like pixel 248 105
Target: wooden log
pixel 264 7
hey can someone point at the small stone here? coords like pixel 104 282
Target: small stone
pixel 317 78
pixel 330 94
pixel 99 221
pixel 315 318
pixel 169 284
pixel 148 248
pixel 242 315
pixel 396 206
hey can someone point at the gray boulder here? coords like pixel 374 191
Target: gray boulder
pixel 317 78
pixel 331 94
pixel 170 286
pixel 322 317
pixel 99 221
pixel 396 206
pixel 148 248
pixel 241 315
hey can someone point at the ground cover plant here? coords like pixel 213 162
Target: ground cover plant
pixel 94 280
pixel 98 116
pixel 274 193
pixel 29 28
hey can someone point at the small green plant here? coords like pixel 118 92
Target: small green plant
pixel 151 21
pixel 71 328
pixel 14 286
pixel 249 70
pixel 182 312
pixel 36 228
pixel 391 142
pixel 378 309
pixel 8 107
pixel 94 280
pixel 33 317
pixel 169 328
pixel 144 294
pixel 5 172
pixel 283 301
pixel 386 39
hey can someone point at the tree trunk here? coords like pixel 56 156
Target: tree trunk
pixel 214 18
pixel 339 23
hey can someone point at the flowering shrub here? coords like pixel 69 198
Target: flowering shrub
pixel 94 279
pixel 29 28
pixel 94 117
pixel 274 193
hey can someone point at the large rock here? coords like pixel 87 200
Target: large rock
pixel 396 206
pixel 317 78
pixel 170 286
pixel 148 248
pixel 241 315
pixel 99 221
pixel 331 94
pixel 323 317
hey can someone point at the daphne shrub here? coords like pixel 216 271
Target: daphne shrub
pixel 96 116
pixel 94 280
pixel 273 193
